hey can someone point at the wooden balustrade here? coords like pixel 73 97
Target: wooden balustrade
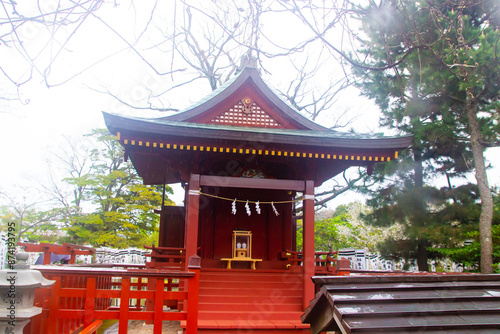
pixel 65 249
pixel 325 263
pixel 81 296
pixel 166 257
pixel 92 328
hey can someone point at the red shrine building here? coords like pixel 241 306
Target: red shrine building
pixel 246 158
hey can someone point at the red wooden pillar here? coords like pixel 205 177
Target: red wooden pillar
pixel 72 259
pixel 158 307
pixel 90 292
pixel 46 257
pixel 193 295
pixel 124 308
pixel 55 293
pixel 308 243
pixel 192 214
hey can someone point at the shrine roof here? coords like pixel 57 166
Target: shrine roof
pixel 325 137
pixel 431 303
pixel 247 77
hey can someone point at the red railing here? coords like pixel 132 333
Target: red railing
pixel 65 249
pixel 325 263
pixel 92 328
pixel 80 296
pixel 166 257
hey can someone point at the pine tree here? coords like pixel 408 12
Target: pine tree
pixel 441 86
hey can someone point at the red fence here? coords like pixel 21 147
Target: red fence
pixel 325 263
pixel 81 296
pixel 65 249
pixel 166 257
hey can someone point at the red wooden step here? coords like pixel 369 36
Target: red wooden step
pixel 259 327
pixel 244 307
pixel 249 315
pixel 249 285
pixel 250 291
pixel 231 275
pixel 265 302
pixel 236 299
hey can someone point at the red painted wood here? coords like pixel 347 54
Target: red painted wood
pixel 69 313
pixel 90 295
pixel 74 292
pixel 65 301
pixel 139 289
pixel 150 300
pixel 257 297
pixel 84 272
pixel 74 301
pixel 92 328
pixel 309 255
pixel 172 221
pixel 64 249
pixel 217 225
pixel 192 215
pixel 124 309
pixel 54 305
pixel 193 301
pixel 115 294
pixel 158 308
pixel 109 314
pixel 287 234
pixel 46 258
pixel 254 331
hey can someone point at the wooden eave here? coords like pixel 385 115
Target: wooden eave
pixel 164 130
pixel 247 82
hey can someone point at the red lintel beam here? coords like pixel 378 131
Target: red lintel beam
pixel 249 183
pixel 53 248
pixel 31 247
pixel 65 249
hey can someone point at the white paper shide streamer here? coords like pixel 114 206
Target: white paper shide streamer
pixel 274 209
pixel 257 208
pixel 233 207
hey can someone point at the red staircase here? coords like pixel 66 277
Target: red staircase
pixel 232 301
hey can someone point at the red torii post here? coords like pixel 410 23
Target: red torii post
pixel 65 249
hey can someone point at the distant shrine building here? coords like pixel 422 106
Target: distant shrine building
pixel 242 155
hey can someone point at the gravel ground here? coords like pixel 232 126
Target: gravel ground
pixel 139 327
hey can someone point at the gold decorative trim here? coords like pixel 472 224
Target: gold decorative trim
pixel 309 155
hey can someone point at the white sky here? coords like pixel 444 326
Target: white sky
pixel 29 132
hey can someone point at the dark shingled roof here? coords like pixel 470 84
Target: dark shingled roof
pixel 460 303
pixel 327 138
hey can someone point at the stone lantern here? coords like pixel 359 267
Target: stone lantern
pixel 17 291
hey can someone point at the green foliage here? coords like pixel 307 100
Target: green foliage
pixel 344 229
pixel 466 248
pixel 123 208
pixel 438 54
pixel 31 223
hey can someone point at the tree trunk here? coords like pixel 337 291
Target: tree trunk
pixel 422 255
pixel 486 217
pixel 421 215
